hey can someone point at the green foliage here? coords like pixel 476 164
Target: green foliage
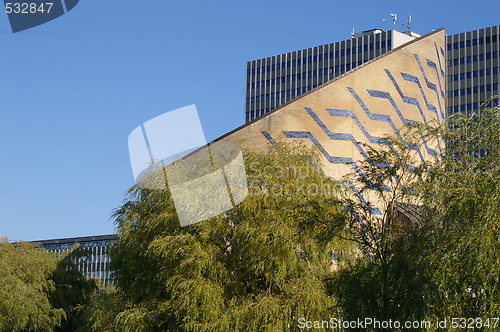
pixel 445 263
pixel 25 285
pixel 260 266
pixel 389 280
pixel 72 290
pixel 463 195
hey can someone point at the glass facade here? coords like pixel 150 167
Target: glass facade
pixel 273 81
pixel 473 59
pixel 94 263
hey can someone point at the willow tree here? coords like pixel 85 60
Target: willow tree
pixel 463 196
pixel 25 287
pixel 260 266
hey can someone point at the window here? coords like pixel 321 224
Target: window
pixel 462 76
pixel 488 71
pixel 469 74
pixel 455 46
pixel 448 47
pixel 455 93
pixel 488 56
pixel 468 59
pixel 474 58
pixel 481 40
pixel 481 57
pixel 462 61
pixel 495 86
pixel 455 77
pixel 481 73
pixel 462 44
pixel 467 43
pixel 474 42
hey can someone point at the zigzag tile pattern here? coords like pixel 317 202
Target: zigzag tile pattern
pixel 369 102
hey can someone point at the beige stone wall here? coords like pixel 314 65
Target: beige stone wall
pixel 365 103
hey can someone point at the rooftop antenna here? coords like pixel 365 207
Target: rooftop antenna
pixel 352 34
pixel 394 19
pixel 408 25
pixel 385 24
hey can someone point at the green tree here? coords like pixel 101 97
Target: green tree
pixel 25 285
pixel 260 266
pixel 463 197
pixel 388 280
pixel 72 290
pixel 442 261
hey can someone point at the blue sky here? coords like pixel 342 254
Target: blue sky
pixel 73 89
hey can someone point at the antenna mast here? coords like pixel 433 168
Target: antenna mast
pixel 394 19
pixel 408 25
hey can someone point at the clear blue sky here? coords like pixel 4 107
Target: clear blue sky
pixel 73 89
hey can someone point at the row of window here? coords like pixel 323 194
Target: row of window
pixel 473 58
pixel 468 107
pixel 339 69
pixel 472 74
pixel 255 114
pixel 476 89
pixel 473 42
pixel 287 93
pixel 320 57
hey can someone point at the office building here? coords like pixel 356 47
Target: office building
pixel 472 60
pixel 471 68
pixel 273 81
pixel 95 262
